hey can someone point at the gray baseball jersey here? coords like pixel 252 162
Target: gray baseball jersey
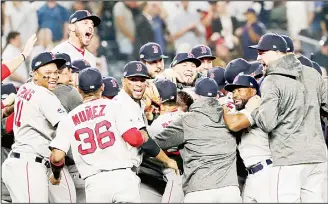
pixel 37 111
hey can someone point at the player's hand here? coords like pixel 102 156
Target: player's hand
pixel 173 165
pixel 54 181
pixel 253 103
pixel 29 45
pixel 169 74
pixel 9 100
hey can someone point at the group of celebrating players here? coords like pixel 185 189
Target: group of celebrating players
pixel 168 135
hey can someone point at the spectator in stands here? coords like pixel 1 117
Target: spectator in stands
pixel 79 5
pixel 321 57
pixel 55 17
pixel 21 17
pixel 159 15
pixel 144 32
pixel 44 43
pixel 250 34
pixel 297 22
pixel 124 26
pixel 101 60
pixel 324 19
pixel 13 49
pixel 224 25
pixel 186 29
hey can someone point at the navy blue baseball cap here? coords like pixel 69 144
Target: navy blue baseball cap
pixel 80 65
pixel 111 87
pixel 243 81
pixel 202 51
pixel 167 90
pixel 135 68
pixel 217 73
pixel 67 58
pixel 258 72
pixel 90 80
pixel 236 67
pixel 6 89
pixel 290 44
pixel 317 67
pixel 84 14
pixel 271 41
pixel 305 61
pixel 250 10
pixel 206 87
pixel 185 57
pixel 45 58
pixel 151 52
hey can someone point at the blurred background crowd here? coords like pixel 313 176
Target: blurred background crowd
pixel 227 27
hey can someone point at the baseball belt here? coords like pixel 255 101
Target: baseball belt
pixel 258 167
pixel 37 159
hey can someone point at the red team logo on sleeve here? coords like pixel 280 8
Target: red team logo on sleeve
pixel 204 50
pixel 139 67
pixel 155 48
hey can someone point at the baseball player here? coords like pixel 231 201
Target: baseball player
pixel 9 67
pixel 204 54
pixel 105 164
pixel 79 64
pixel 290 113
pixel 81 29
pixel 169 112
pixel 217 73
pixel 37 113
pixel 111 87
pixel 152 56
pixel 254 144
pixel 206 178
pixel 185 67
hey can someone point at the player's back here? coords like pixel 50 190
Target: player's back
pixel 96 137
pixel 37 111
pixel 74 53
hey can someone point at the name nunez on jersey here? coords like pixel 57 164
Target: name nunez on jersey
pixel 90 113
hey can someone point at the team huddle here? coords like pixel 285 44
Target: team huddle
pixel 168 135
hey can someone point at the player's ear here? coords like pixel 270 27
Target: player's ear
pixel 71 27
pixel 102 88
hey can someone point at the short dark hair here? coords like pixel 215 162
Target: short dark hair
pixel 12 35
pixel 184 99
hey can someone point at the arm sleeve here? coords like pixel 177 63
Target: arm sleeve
pixel 248 115
pixel 63 132
pixel 172 135
pixel 52 109
pixel 5 72
pixel 266 115
pixel 124 121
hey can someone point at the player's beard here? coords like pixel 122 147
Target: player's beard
pixel 240 106
pixel 80 37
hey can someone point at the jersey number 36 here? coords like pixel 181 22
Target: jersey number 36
pixel 94 135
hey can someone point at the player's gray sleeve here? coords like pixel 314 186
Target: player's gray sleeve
pixel 172 135
pixel 68 96
pixel 324 95
pixel 266 115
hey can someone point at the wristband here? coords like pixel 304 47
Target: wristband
pixel 150 147
pixel 56 168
